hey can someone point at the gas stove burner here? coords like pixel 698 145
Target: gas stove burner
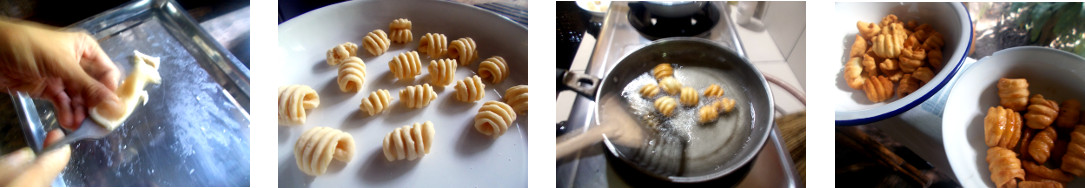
pixel 655 27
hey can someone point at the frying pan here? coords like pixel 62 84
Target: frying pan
pixel 713 150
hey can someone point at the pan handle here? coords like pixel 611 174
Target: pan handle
pixel 583 84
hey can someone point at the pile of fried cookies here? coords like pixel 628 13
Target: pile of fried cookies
pixel 893 55
pixel 1033 141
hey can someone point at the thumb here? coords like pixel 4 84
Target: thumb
pixel 12 162
pixel 94 93
pixel 41 171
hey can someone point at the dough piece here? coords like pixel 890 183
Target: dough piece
pixel 923 74
pixel 406 65
pixel 867 29
pixel 1040 147
pixel 870 69
pixel 401 36
pixel 670 85
pixel 400 31
pixel 376 42
pixel 470 89
pixel 516 96
pixel 889 43
pixel 934 42
pixel 351 75
pixel 665 105
pixel 907 86
pixel 400 23
pixel 895 76
pixel 1033 169
pixel 1004 166
pixel 464 50
pixel 341 52
pixel 494 69
pixel 708 113
pixel 417 96
pixel 934 58
pixel 689 96
pixel 1074 160
pixel 662 70
pixel 713 90
pixel 293 101
pixel 889 65
pixel 858 47
pixel 316 148
pixel 853 74
pixel 1026 139
pixel 648 91
pixel 1039 184
pixel 409 142
pixel 910 59
pixel 131 91
pixel 1041 112
pixel 725 105
pixel 435 45
pixel 442 72
pixel 890 19
pixel 1001 127
pixel 1013 93
pixel 376 102
pixel 878 89
pixel 494 118
pixel 1069 114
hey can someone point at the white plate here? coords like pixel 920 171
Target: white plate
pixel 460 156
pixel 1055 74
pixel 951 19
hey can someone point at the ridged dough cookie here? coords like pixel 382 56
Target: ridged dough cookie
pixel 494 118
pixel 663 70
pixel 316 148
pixel 665 105
pixel 409 142
pixel 376 102
pixel 376 42
pixel 417 96
pixel 470 89
pixel 341 52
pixel 516 96
pixel 463 50
pixel 1013 93
pixel 435 45
pixel 351 75
pixel 1002 127
pixel 293 101
pixel 493 69
pixel 442 72
pixel 649 90
pixel 670 85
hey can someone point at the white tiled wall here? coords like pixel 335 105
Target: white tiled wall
pixel 786 22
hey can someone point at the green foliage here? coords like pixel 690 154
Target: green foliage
pixel 1058 25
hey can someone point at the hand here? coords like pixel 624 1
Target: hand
pixel 23 169
pixel 67 68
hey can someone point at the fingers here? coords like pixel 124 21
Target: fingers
pixel 54 91
pixel 96 62
pixel 52 137
pixel 46 167
pixel 95 83
pixel 22 168
pixel 11 163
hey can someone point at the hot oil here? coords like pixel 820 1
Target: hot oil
pixel 711 145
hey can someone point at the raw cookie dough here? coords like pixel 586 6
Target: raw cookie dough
pixel 131 91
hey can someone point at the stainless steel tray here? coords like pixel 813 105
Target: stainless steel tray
pixel 194 129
